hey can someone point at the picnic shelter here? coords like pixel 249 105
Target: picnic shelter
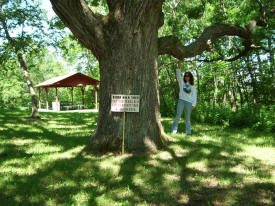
pixel 72 80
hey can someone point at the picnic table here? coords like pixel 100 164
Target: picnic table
pixel 69 106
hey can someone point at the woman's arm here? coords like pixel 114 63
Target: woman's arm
pixel 178 73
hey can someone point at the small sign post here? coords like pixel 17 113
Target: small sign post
pixel 124 103
pixel 123 133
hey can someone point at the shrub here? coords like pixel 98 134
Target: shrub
pixel 258 117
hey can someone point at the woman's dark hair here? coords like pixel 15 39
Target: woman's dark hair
pixel 191 80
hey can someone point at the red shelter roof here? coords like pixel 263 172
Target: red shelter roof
pixel 69 80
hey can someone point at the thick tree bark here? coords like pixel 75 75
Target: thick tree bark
pixel 26 75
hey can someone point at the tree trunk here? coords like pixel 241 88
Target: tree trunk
pixel 23 66
pixel 215 85
pixel 271 56
pixel 224 88
pixel 235 103
pixel 235 86
pixel 239 89
pixel 263 95
pixel 118 69
pixel 243 87
pixel 253 81
pixel 271 68
pixel 224 98
pixel 35 113
pixel 232 97
pixel 130 67
pixel 198 81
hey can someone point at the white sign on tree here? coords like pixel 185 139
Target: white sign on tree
pixel 125 103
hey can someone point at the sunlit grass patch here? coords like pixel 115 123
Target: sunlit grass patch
pixel 265 154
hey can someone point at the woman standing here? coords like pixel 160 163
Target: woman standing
pixel 187 99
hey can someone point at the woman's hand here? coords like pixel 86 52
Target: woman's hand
pixel 193 107
pixel 178 64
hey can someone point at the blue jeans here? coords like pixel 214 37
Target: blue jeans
pixel 187 107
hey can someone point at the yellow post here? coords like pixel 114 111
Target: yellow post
pixel 123 132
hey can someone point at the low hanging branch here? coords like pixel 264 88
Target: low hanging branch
pixel 173 46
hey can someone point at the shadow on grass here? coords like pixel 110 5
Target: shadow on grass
pixel 206 168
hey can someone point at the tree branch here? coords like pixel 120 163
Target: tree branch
pixel 241 54
pixel 83 23
pixel 173 46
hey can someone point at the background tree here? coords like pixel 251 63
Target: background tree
pixel 22 34
pixel 126 44
pixel 22 29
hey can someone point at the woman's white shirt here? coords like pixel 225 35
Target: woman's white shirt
pixel 189 97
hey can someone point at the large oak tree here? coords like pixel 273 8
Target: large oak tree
pixel 126 44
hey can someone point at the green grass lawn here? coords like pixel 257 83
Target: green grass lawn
pixel 41 163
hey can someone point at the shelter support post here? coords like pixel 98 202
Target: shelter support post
pixel 56 95
pixel 47 102
pixel 72 95
pixel 56 99
pixel 83 91
pixel 39 93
